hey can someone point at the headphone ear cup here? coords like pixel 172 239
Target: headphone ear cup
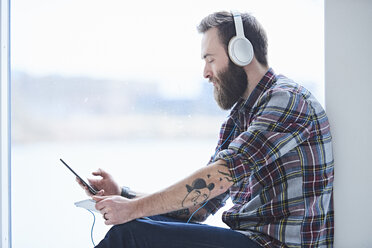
pixel 240 51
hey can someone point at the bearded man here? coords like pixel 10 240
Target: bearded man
pixel 274 159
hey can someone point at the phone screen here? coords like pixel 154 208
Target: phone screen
pixel 93 191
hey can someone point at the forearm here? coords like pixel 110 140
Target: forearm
pixel 185 214
pixel 197 213
pixel 189 193
pixel 201 212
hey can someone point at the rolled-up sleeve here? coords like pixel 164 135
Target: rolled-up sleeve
pixel 281 122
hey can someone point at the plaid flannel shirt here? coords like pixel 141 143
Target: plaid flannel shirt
pixel 281 161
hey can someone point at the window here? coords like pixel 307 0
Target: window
pixel 118 86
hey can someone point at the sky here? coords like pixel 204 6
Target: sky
pixel 155 41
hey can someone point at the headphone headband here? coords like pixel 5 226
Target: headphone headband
pixel 238 23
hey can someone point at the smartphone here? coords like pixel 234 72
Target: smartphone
pixel 93 191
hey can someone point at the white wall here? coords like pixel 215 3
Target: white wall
pixel 348 94
pixel 5 209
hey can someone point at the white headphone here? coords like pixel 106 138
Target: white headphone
pixel 240 48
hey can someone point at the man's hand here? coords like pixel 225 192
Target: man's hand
pixel 115 209
pixel 105 185
pixel 194 190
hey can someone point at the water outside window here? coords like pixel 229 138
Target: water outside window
pixel 118 85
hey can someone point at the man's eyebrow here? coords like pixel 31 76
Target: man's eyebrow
pixel 206 55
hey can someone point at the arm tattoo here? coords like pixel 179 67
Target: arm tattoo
pixel 184 214
pixel 227 176
pixel 224 165
pixel 198 192
pixel 179 213
pixel 201 215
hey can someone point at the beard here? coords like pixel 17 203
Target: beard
pixel 230 85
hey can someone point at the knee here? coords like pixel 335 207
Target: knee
pixel 123 235
pixel 127 230
pixel 124 229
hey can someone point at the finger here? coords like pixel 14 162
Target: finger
pixel 100 208
pixel 108 220
pixel 79 181
pixel 100 201
pixel 100 172
pixel 98 198
pixel 100 193
pixel 87 191
pixel 93 181
pixel 103 211
pixel 96 184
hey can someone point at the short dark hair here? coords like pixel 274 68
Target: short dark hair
pixel 253 30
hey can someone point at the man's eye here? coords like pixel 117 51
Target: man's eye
pixel 210 61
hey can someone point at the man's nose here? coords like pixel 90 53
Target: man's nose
pixel 207 72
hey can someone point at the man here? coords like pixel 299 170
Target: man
pixel 274 159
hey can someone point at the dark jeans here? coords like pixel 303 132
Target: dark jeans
pixel 163 232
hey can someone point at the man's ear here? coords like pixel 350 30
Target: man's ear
pixel 189 188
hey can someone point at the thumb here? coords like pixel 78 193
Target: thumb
pixel 98 198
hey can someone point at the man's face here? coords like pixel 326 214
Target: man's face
pixel 229 80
